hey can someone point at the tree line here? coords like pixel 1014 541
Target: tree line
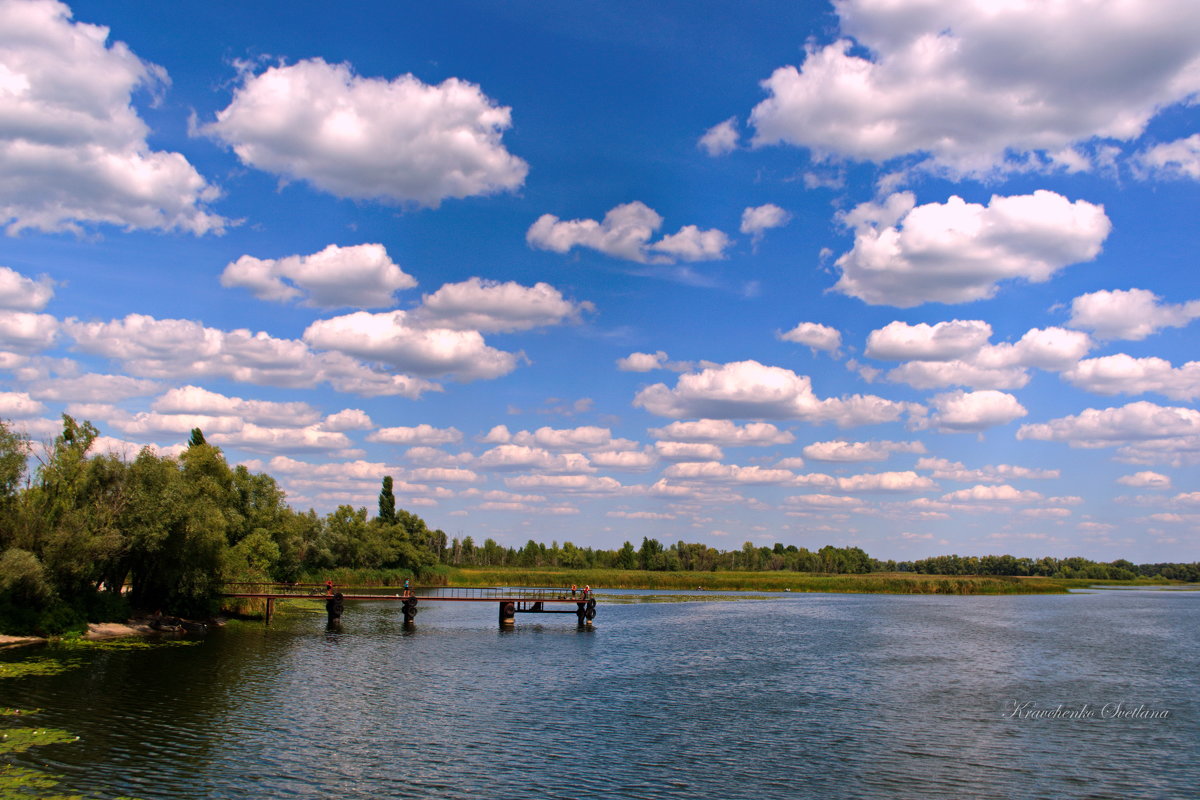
pixel 87 537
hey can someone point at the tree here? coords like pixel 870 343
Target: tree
pixel 387 502
pixel 197 438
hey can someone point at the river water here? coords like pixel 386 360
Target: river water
pixel 790 696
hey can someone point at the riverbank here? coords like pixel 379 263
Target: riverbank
pixel 774 581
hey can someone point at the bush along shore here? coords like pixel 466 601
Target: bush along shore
pixel 92 538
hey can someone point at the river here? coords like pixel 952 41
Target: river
pixel 789 696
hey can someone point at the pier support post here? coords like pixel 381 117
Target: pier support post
pixel 508 614
pixel 270 608
pixel 410 610
pixel 334 607
pixel 581 613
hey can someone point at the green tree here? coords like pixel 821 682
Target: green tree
pixel 387 501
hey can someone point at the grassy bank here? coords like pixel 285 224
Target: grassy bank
pixel 870 583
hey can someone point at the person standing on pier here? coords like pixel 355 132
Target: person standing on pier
pixel 572 590
pixel 407 586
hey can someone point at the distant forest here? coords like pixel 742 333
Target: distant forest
pixel 90 537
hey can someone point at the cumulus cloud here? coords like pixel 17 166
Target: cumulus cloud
pixel 624 460
pixel 584 437
pixel 688 451
pixel 625 232
pixel 1140 421
pixel 993 494
pixel 748 389
pixel 823 501
pixel 73 150
pixel 958 353
pixel 20 293
pixel 19 404
pixel 170 348
pixel 642 362
pixel 360 275
pixel 976 87
pixel 945 469
pixel 348 419
pixel 815 335
pixel 91 388
pixel 757 220
pixel 275 439
pixel 195 400
pixel 851 452
pixel 906 481
pixel 955 252
pixel 727 473
pixel 392 338
pixel 964 412
pixel 723 432
pixel 419 434
pixel 1177 159
pixel 491 306
pixel 1124 374
pixel 1129 314
pixel 521 457
pixel 25 332
pixel 1146 480
pixel 398 141
pixel 721 138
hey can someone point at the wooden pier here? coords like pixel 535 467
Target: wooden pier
pixel 509 601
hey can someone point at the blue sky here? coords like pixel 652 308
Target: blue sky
pixel 911 277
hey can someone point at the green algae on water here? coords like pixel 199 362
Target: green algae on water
pixel 37 666
pixel 18 740
pixel 130 643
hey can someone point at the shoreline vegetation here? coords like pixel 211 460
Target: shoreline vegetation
pixel 89 538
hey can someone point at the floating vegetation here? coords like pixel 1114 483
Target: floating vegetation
pixel 18 712
pixel 18 740
pixel 37 666
pixel 22 782
pixel 124 643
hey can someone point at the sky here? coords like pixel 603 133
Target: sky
pixel 908 275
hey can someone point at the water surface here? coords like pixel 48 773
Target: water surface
pixel 793 696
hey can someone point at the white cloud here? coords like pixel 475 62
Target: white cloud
pixel 1146 480
pixel 727 473
pixel 1177 159
pixel 348 419
pixel 724 433
pixel 688 451
pixel 721 138
pixel 944 469
pixel 907 481
pixel 359 275
pixel 955 252
pixel 1129 314
pixel 961 412
pixel 972 83
pixel 581 484
pixel 517 456
pixel 73 150
pixel 993 494
pixel 585 437
pixel 491 306
pixel 627 460
pixel 420 434
pixel 26 332
pixel 957 353
pixel 823 501
pixel 851 452
pixel 195 400
pixel 756 220
pixel 273 439
pixel 444 475
pixel 748 389
pixel 19 404
pixel 171 348
pixel 642 362
pixel 392 338
pixel 625 232
pixel 24 294
pixel 1123 374
pixel 815 335
pixel 369 138
pixel 944 341
pixel 1140 421
pixel 92 388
